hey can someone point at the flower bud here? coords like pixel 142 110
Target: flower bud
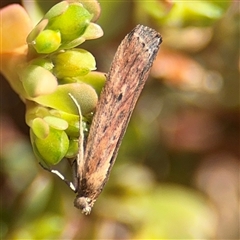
pixel 47 41
pixel 73 63
pixel 72 23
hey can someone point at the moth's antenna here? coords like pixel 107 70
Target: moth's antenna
pixel 81 135
pixel 72 185
pixel 57 173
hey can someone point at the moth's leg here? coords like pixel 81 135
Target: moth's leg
pixel 56 172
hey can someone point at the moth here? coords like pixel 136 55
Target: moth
pixel 127 76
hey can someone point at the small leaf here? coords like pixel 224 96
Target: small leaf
pixel 85 95
pixel 36 31
pixel 73 148
pixel 56 122
pixel 71 119
pixel 57 10
pixel 53 148
pixel 95 79
pixel 37 81
pixel 14 28
pixel 40 128
pixel 34 110
pixel 43 62
pixel 92 32
pixel 93 7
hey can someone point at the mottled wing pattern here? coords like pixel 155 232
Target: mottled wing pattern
pixel 125 81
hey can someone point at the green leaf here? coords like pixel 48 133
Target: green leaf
pixel 85 95
pixel 92 6
pixel 57 10
pixel 93 31
pixel 72 120
pixel 43 62
pixel 95 79
pixel 37 81
pixel 40 128
pixel 56 122
pixel 73 148
pixel 53 148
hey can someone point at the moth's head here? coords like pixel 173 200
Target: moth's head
pixel 84 204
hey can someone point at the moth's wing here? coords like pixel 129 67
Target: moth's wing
pixel 127 76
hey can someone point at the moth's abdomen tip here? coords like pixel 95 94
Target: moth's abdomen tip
pixel 84 204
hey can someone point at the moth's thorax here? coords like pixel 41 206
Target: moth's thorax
pixel 85 204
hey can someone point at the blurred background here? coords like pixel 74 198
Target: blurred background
pixel 177 172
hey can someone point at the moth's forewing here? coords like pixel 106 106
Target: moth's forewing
pixel 125 81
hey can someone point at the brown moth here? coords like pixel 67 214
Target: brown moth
pixel 128 73
pixel 125 81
